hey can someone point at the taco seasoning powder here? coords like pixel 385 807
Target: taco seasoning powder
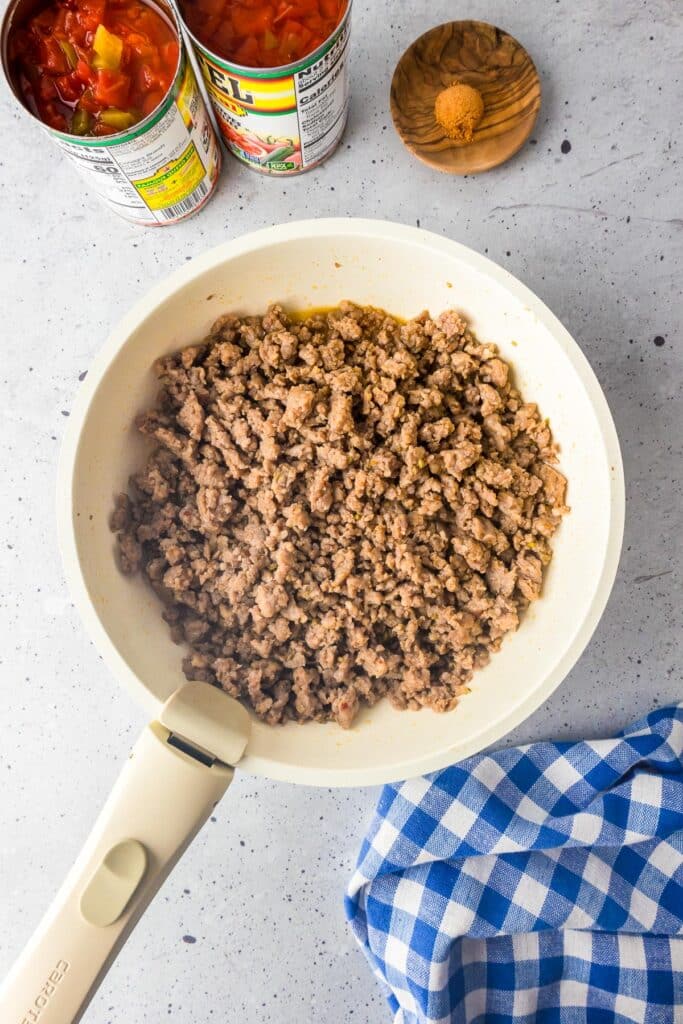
pixel 277 76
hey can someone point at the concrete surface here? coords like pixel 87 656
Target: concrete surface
pixel 250 928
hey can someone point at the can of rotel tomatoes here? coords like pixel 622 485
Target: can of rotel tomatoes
pixel 281 120
pixel 159 171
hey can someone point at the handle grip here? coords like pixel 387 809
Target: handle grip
pixel 160 801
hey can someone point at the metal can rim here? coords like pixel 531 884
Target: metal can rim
pixel 127 133
pixel 281 70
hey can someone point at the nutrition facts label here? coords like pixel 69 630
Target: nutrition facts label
pixel 322 93
pixel 159 174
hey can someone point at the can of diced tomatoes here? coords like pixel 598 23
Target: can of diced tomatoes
pixel 280 120
pixel 160 170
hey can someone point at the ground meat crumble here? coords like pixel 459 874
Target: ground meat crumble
pixel 341 508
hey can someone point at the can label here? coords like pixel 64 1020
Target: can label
pixel 161 170
pixel 282 123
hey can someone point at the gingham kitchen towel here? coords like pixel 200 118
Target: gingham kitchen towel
pixel 534 885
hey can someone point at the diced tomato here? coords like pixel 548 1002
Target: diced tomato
pixel 145 80
pixel 111 88
pixel 152 101
pixel 55 119
pixel 169 54
pixel 214 24
pixel 290 28
pixel 53 58
pixel 224 36
pixel 72 29
pixel 305 8
pixel 248 22
pixel 60 21
pixel 315 23
pixel 68 87
pixel 284 11
pixel 43 22
pixel 305 36
pixel 248 53
pixel 146 22
pixel 91 14
pixel 138 44
pixel 210 7
pixel 61 72
pixel 102 129
pixel 84 72
pixel 47 90
pixel 263 33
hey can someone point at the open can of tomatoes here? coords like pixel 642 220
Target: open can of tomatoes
pixel 276 72
pixel 110 81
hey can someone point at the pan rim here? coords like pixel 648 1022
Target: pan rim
pixel 388 231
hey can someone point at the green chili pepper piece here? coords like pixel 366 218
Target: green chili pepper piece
pixel 80 122
pixel 69 52
pixel 119 119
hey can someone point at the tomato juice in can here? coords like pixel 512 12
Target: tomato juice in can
pixel 158 171
pixel 280 120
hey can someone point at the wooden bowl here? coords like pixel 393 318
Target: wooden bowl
pixel 477 54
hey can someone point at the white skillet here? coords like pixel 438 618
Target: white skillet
pixel 181 765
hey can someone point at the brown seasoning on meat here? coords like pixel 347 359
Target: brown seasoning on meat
pixel 340 509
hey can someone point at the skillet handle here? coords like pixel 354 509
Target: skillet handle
pixel 160 801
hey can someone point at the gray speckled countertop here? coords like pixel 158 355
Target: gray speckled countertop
pixel 250 926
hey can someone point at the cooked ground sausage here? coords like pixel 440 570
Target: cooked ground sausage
pixel 341 508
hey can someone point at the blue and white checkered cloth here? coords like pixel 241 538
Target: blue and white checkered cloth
pixel 539 884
